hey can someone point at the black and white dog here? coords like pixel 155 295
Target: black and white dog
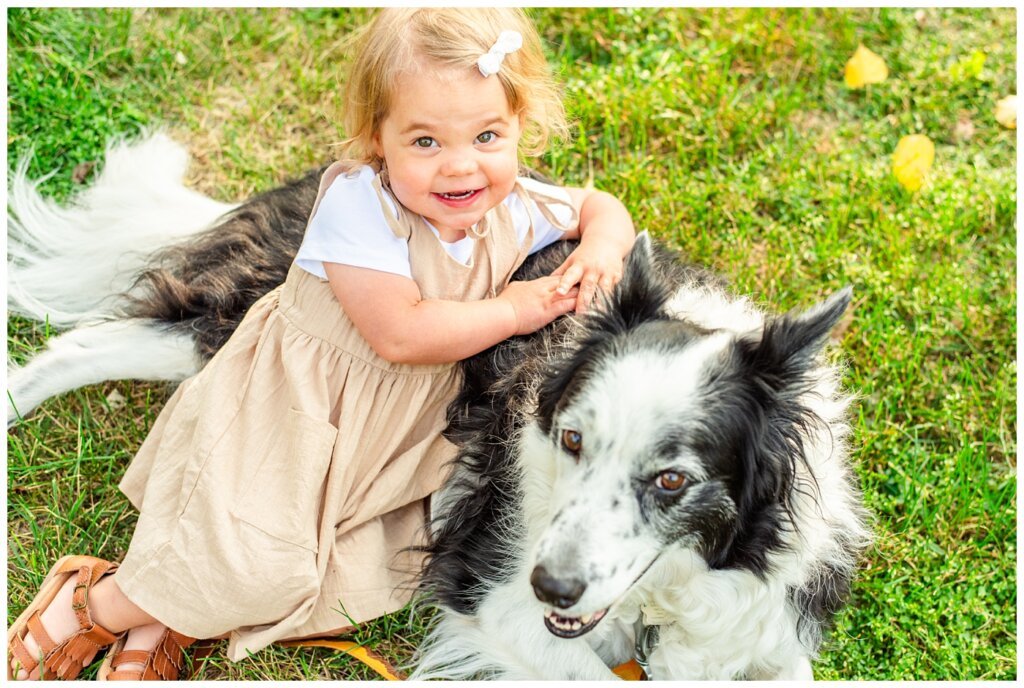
pixel 666 479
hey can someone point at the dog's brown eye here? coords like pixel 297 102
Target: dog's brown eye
pixel 572 441
pixel 670 481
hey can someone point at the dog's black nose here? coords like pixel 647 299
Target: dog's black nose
pixel 561 593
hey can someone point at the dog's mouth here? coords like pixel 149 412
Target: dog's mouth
pixel 575 626
pixel 572 626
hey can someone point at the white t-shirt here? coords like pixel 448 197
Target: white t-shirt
pixel 349 227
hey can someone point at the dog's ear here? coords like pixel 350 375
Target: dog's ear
pixel 642 247
pixel 779 367
pixel 640 260
pixel 794 340
pixel 640 296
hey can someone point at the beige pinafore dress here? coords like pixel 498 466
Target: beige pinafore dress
pixel 280 485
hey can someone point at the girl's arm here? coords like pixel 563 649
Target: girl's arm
pixel 606 235
pixel 403 327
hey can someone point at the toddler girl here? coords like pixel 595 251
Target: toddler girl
pixel 280 488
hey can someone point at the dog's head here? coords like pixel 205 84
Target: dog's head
pixel 658 433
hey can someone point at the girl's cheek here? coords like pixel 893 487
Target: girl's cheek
pixel 511 171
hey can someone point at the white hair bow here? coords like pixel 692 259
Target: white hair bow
pixel 508 42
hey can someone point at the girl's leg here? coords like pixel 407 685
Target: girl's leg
pixel 109 608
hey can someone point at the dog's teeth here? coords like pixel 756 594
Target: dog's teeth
pixel 571 624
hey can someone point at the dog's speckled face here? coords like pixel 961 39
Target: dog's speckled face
pixel 628 476
pixel 665 436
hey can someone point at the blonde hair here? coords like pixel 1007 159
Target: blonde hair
pixel 399 38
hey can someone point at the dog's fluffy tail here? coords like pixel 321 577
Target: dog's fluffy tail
pixel 112 350
pixel 68 263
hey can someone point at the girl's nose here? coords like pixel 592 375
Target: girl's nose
pixel 458 165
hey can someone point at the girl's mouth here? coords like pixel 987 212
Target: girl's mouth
pixel 458 198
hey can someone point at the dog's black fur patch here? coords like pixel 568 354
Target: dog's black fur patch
pixel 205 285
pixel 819 601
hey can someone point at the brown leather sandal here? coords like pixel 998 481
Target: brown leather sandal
pixel 66 659
pixel 163 663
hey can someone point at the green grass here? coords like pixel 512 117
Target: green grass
pixel 728 133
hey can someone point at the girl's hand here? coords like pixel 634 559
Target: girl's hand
pixel 537 302
pixel 606 235
pixel 593 265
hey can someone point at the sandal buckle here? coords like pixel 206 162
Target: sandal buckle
pixel 85 597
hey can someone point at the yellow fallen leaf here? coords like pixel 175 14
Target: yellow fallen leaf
pixel 1006 112
pixel 912 160
pixel 865 67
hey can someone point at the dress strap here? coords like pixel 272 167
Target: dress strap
pixel 399 220
pixel 480 229
pixel 544 202
pixel 330 174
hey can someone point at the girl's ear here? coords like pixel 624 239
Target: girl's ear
pixel 378 149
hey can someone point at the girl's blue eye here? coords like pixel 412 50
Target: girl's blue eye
pixel 424 142
pixel 486 137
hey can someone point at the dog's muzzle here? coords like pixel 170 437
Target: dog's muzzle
pixel 563 594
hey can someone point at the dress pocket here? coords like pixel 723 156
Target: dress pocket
pixel 283 498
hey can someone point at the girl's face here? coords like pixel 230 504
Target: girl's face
pixel 451 146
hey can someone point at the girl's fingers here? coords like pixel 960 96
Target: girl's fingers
pixel 571 277
pixel 565 306
pixel 588 289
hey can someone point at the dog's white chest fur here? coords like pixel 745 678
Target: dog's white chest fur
pixel 716 625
